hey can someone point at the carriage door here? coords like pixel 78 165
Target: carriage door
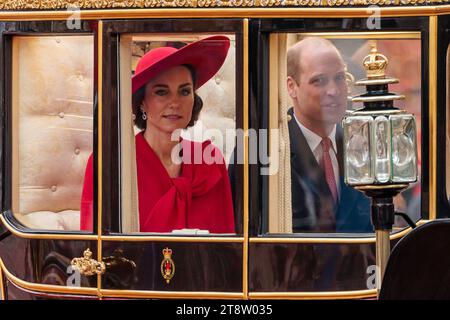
pixel 302 243
pixel 181 263
pixel 48 92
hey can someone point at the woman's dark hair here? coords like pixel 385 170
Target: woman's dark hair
pixel 139 96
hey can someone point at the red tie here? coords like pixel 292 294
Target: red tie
pixel 327 168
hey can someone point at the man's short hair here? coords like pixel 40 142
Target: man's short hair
pixel 294 54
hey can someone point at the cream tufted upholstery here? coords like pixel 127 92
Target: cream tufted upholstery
pixel 219 111
pixel 53 106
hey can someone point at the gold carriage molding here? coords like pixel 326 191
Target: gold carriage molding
pixel 140 4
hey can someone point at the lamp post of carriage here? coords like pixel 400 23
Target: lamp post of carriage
pixel 380 150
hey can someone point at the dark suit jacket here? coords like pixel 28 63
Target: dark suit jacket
pixel 312 201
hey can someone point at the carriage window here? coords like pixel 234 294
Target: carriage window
pixel 178 128
pixel 52 124
pixel 312 77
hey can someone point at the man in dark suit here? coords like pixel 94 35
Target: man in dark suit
pixel 321 201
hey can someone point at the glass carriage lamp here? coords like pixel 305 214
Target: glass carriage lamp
pixel 380 150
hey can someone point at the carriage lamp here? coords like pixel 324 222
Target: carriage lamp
pixel 380 150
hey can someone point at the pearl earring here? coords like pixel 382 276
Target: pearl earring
pixel 144 114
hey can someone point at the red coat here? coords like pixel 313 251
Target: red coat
pixel 200 198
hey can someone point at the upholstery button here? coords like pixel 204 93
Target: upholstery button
pixel 217 79
pixel 80 76
pixel 53 188
pixel 61 114
pixel 77 151
pixel 58 40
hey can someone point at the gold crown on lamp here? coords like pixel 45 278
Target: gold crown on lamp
pixel 167 253
pixel 375 63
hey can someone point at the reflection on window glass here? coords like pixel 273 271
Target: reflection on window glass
pixel 314 85
pixel 52 128
pixel 183 105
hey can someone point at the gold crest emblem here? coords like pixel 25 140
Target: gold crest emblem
pixel 88 266
pixel 167 265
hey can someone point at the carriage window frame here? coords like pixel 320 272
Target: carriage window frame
pixel 443 125
pixel 112 192
pixel 9 30
pixel 259 225
pixel 447 126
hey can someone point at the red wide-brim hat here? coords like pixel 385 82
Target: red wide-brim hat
pixel 206 56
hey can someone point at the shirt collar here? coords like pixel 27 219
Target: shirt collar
pixel 314 139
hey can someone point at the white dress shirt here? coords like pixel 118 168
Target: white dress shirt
pixel 314 141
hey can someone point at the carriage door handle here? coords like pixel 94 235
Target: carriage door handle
pixel 88 266
pixel 115 263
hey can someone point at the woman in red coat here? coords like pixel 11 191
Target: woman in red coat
pixel 181 184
